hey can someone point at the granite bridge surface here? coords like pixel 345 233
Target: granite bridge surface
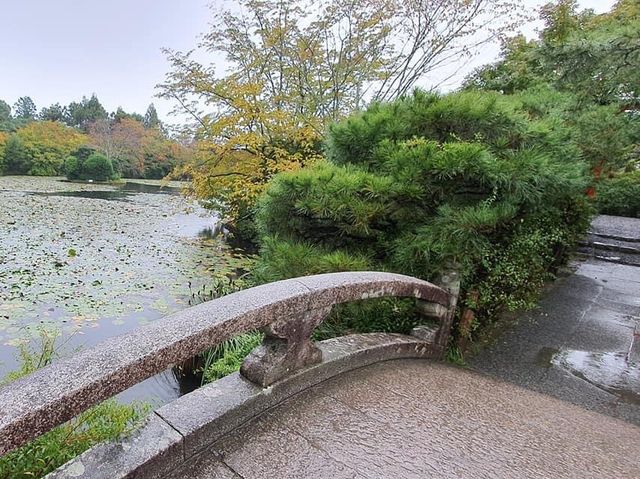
pixel 420 419
pixel 374 405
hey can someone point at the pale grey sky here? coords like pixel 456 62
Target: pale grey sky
pixel 59 50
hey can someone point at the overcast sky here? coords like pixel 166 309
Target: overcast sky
pixel 59 50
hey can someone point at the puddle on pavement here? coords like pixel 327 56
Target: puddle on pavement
pixel 609 371
pixel 545 356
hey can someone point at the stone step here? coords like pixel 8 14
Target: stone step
pixel 615 237
pixel 598 242
pixel 631 259
pixel 616 227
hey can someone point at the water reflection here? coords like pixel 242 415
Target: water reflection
pixel 109 195
pixel 132 186
pixel 612 372
pixel 120 192
pixel 157 390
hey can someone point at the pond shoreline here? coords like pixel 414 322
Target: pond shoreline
pixel 96 260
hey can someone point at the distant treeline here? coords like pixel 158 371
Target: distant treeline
pixel 40 143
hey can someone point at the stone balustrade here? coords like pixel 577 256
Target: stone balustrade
pixel 287 311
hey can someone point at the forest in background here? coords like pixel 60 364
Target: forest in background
pixel 52 141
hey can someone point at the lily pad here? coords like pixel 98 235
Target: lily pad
pixel 89 266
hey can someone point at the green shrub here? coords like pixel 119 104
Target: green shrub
pixel 16 158
pixel 97 167
pixel 157 167
pixel 86 164
pixel 71 168
pixel 606 135
pixel 411 186
pixel 496 121
pixel 620 195
pixel 44 166
pixel 107 421
pixel 282 259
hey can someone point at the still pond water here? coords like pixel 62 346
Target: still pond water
pixel 94 261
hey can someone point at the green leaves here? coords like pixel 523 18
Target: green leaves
pixel 425 181
pixel 620 195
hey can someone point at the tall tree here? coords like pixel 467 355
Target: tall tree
pixel 5 111
pixel 584 68
pixel 433 38
pixel 120 115
pixel 294 67
pixel 16 158
pixel 5 116
pixel 592 56
pixel 136 151
pixel 88 110
pixel 4 137
pixel 151 119
pixel 55 112
pixel 47 144
pixel 25 108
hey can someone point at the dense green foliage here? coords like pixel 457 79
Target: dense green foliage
pixel 105 422
pixel 620 195
pixel 16 160
pixel 34 143
pixel 588 62
pixel 472 179
pixel 86 164
pixel 227 358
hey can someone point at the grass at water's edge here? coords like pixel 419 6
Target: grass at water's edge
pixel 107 421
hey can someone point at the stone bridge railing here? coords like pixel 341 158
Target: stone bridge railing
pixel 287 311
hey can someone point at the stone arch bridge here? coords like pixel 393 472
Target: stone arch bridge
pixel 370 405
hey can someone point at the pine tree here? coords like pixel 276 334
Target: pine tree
pixel 151 119
pixel 25 108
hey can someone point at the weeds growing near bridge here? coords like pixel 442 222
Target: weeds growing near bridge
pixel 105 422
pixel 227 357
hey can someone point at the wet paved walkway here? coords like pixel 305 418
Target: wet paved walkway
pixel 578 345
pixel 418 419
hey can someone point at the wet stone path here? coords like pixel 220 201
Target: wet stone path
pixel 416 418
pixel 419 419
pixel 581 344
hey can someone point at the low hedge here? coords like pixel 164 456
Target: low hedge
pixel 620 195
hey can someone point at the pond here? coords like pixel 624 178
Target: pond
pixel 92 261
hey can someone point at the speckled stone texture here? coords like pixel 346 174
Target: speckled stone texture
pixel 617 227
pixel 205 415
pixel 37 403
pixel 192 423
pixel 287 347
pixel 420 419
pixel 151 452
